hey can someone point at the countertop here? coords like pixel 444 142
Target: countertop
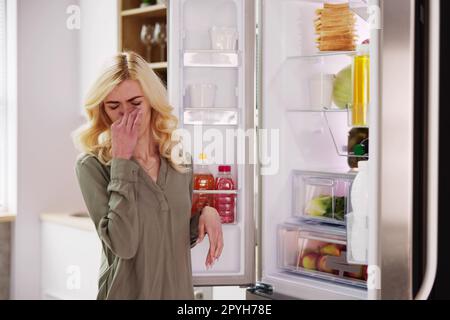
pixel 78 220
pixel 7 217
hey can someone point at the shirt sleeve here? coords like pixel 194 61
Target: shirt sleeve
pixel 196 216
pixel 112 203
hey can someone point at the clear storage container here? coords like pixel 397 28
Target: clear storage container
pixel 318 254
pixel 322 197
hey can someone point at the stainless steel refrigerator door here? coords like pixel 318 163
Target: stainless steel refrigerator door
pixel 194 31
pixel 395 138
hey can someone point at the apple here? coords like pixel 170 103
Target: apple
pixel 309 261
pixel 365 274
pixel 331 250
pixel 356 275
pixel 322 265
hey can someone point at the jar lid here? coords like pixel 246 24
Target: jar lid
pixel 224 168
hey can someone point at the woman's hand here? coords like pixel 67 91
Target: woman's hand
pixel 124 134
pixel 209 223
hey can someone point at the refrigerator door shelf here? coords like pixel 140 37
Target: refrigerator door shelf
pixel 211 59
pixel 191 62
pixel 216 191
pixel 211 116
pixel 322 256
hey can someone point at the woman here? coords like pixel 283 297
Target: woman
pixel 138 197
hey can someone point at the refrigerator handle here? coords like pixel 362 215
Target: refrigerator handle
pixel 433 154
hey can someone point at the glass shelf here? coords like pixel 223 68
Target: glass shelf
pixel 315 110
pixel 211 116
pixel 324 54
pixel 211 59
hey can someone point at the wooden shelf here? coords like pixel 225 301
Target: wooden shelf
pixel 158 65
pixel 155 11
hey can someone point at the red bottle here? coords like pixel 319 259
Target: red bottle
pixel 225 203
pixel 203 180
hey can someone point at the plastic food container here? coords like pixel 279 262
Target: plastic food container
pixel 322 197
pixel 318 254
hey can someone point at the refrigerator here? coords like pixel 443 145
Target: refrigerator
pixel 252 90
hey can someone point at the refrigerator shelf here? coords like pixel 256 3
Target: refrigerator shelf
pixel 310 109
pixel 216 191
pixel 211 116
pixel 323 54
pixel 211 59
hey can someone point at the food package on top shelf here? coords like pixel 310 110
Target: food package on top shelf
pixel 335 26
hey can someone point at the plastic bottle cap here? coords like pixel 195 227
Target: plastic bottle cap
pixel 359 150
pixel 224 168
pixel 202 156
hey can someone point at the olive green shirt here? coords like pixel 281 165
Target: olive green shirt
pixel 145 228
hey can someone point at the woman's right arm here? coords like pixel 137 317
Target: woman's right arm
pixel 112 204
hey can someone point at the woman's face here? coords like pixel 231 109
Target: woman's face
pixel 125 98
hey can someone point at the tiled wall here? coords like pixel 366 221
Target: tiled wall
pixel 5 259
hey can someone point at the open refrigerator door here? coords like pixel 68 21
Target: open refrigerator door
pixel 211 87
pixel 315 76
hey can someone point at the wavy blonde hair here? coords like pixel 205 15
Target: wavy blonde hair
pixel 95 136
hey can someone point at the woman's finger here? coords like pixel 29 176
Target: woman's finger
pixel 123 120
pixel 212 248
pixel 219 248
pixel 130 120
pixel 137 121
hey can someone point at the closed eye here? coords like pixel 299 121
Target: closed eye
pixel 113 106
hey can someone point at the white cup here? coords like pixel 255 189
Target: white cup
pixel 321 90
pixel 203 95
pixel 224 38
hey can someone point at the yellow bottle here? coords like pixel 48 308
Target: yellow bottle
pixel 361 87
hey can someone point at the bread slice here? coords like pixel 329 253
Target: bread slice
pixel 335 27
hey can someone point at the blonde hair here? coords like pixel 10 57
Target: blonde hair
pixel 95 136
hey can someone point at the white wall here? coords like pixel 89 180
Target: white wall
pixel 98 38
pixel 47 112
pixel 55 67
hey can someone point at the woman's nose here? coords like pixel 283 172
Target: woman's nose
pixel 125 110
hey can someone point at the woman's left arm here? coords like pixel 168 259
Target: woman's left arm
pixel 206 222
pixel 209 223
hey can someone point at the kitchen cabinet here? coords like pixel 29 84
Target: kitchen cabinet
pixel 132 18
pixel 71 255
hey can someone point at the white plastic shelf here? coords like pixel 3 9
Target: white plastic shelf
pixel 211 116
pixel 216 192
pixel 211 59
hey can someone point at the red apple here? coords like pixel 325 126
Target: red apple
pixel 322 265
pixel 331 250
pixel 309 261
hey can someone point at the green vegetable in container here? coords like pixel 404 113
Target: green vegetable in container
pixel 319 206
pixel 342 88
pixel 322 206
